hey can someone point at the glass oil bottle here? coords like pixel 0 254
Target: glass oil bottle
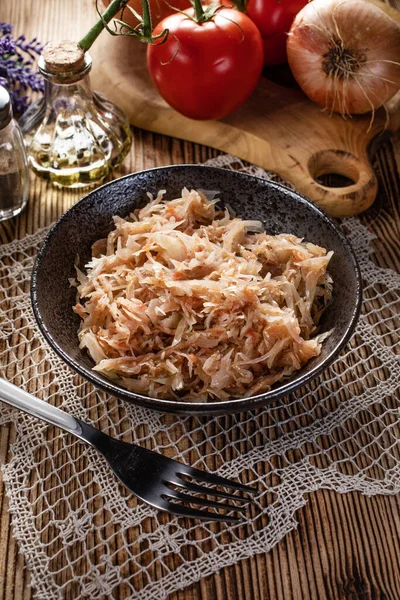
pixel 75 136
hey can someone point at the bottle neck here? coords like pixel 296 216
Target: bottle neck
pixel 55 92
pixel 66 87
pixel 66 77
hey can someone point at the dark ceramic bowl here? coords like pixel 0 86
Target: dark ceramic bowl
pixel 280 209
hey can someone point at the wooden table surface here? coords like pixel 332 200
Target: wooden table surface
pixel 346 546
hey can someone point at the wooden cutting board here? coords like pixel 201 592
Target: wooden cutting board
pixel 278 128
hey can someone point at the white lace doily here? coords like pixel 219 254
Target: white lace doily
pixel 81 532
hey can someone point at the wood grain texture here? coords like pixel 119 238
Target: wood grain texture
pixel 278 128
pixel 346 547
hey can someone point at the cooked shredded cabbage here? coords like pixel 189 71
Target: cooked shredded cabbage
pixel 182 301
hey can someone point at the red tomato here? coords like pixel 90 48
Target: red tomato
pixel 206 70
pixel 159 9
pixel 275 49
pixel 274 19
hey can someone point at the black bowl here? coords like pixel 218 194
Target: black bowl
pixel 280 209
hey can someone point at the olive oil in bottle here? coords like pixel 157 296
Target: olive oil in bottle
pixel 77 136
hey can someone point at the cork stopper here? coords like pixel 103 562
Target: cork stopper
pixel 63 56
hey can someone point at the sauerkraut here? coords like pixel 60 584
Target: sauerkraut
pixel 185 301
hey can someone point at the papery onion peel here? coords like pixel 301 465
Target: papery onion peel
pixel 345 54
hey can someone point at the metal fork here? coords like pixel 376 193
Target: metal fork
pixel 160 481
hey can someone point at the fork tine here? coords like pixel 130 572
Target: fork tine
pixel 202 501
pixel 215 479
pixel 193 487
pixel 187 511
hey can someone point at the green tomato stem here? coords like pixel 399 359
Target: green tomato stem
pixel 199 11
pixel 93 33
pixel 147 27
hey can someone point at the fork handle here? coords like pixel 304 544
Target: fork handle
pixel 18 398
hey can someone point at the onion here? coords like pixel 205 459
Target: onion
pixel 345 54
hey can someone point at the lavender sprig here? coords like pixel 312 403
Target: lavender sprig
pixel 16 67
pixel 5 29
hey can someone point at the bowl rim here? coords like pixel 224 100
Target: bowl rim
pixel 221 407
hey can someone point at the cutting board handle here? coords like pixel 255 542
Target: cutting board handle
pixel 278 129
pixel 337 201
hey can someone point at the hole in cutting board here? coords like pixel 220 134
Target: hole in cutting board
pixel 334 180
pixel 334 168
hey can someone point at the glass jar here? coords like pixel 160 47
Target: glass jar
pixel 76 137
pixel 14 175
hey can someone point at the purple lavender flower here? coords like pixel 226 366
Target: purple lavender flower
pixel 5 28
pixel 6 45
pixel 16 67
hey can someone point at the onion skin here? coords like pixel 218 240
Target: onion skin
pixel 345 54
